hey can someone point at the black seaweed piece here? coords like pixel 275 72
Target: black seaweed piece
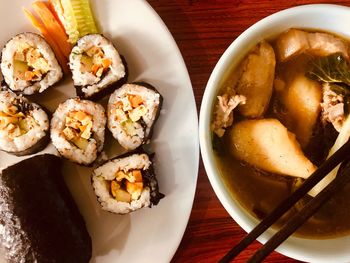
pixel 23 106
pixel 143 124
pixel 40 219
pixel 3 85
pixel 107 90
pixel 151 181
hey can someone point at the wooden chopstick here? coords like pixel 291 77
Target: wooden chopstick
pixel 308 210
pixel 289 202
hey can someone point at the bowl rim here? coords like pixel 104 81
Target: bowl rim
pixel 245 220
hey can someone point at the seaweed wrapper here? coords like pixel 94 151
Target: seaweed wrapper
pixel 39 220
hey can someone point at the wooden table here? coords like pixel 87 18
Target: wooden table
pixel 203 29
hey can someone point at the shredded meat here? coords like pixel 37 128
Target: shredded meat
pixel 294 42
pixel 332 107
pixel 323 44
pixel 223 116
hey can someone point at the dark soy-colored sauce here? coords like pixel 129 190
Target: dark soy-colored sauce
pixel 260 192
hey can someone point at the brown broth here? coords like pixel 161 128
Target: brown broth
pixel 260 192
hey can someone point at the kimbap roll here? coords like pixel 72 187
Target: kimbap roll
pixel 132 112
pixel 24 125
pixel 97 68
pixel 126 183
pixel 29 65
pixel 78 130
pixel 40 222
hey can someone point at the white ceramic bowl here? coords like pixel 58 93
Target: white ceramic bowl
pixel 330 18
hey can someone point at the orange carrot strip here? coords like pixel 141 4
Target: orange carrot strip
pixel 135 100
pixel 137 175
pixel 94 69
pixel 53 26
pixel 54 11
pixel 38 25
pixel 28 75
pixel 106 63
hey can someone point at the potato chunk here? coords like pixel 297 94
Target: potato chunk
pixel 267 144
pixel 291 43
pixel 302 106
pixel 257 80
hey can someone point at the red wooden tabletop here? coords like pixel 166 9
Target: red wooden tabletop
pixel 203 29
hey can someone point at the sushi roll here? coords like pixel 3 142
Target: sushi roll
pixel 97 68
pixel 24 125
pixel 40 222
pixel 126 183
pixel 29 65
pixel 132 112
pixel 78 130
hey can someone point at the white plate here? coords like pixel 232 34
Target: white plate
pixel 151 234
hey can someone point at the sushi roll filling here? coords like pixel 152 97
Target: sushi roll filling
pixel 15 121
pixel 127 186
pixel 126 183
pixel 132 112
pixel 29 63
pixel 78 128
pixel 95 62
pixel 97 68
pixel 129 110
pixel 24 125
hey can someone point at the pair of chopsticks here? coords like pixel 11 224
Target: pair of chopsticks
pixel 342 155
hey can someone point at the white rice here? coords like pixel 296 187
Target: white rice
pixel 91 83
pixel 66 148
pixel 33 136
pixel 151 100
pixel 107 172
pixel 26 87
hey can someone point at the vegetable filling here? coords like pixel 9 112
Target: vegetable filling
pixel 76 17
pixel 15 122
pixel 78 128
pixel 29 64
pixel 127 186
pixel 129 110
pixel 95 62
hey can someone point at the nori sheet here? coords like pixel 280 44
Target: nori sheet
pixel 39 220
